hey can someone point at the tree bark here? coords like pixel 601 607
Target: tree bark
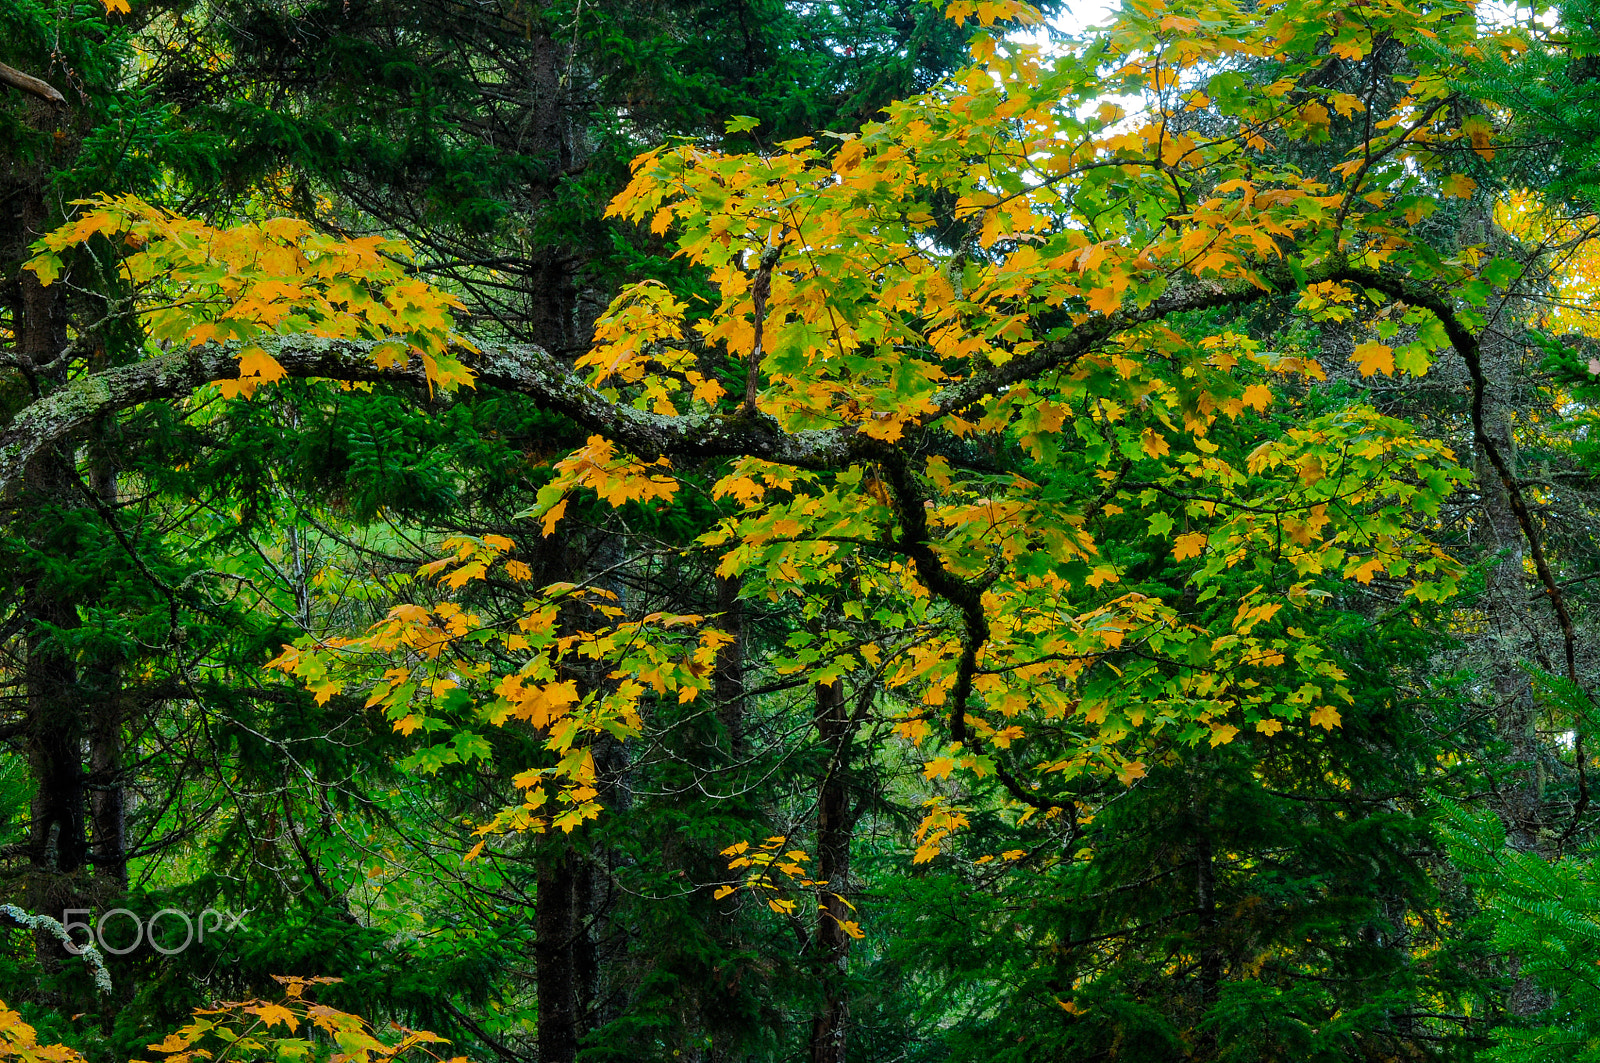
pixel 558 925
pixel 58 834
pixel 831 946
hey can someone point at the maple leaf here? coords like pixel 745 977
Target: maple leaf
pixel 171 1043
pixel 1374 358
pixel 1347 104
pixel 1349 49
pixel 1363 573
pixel 1326 717
pixel 1258 396
pixel 1221 736
pixel 1191 544
pixel 552 517
pixel 1103 300
pixel 274 1014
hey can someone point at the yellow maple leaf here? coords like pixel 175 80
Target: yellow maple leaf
pixel 273 1014
pixel 553 517
pixel 173 1043
pixel 1269 727
pixel 1153 443
pixel 1221 736
pixel 1190 545
pixel 1326 717
pixel 1458 185
pixel 255 362
pixel 1374 358
pixel 1346 104
pixel 1258 396
pixel 117 7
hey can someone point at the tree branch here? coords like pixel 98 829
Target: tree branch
pixel 1466 345
pixel 526 369
pixel 31 85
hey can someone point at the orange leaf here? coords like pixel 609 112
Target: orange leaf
pixel 255 362
pixel 1258 396
pixel 273 1014
pixel 1103 300
pixel 1375 358
pixel 1191 545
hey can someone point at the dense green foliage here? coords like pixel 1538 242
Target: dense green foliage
pixel 1315 890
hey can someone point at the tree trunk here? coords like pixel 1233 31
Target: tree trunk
pixel 58 834
pixel 556 966
pixel 832 944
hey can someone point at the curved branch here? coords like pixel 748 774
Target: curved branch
pixel 966 595
pixel 521 368
pixel 532 371
pixel 1466 345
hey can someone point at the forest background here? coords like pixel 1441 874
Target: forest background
pixel 758 530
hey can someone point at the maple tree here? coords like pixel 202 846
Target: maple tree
pixel 1074 243
pixel 1081 241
